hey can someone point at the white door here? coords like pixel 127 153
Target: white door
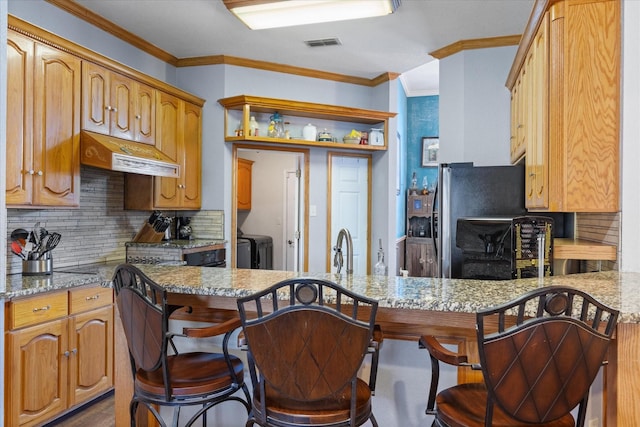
pixel 291 216
pixel 349 208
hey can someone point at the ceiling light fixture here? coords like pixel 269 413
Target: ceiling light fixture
pixel 262 14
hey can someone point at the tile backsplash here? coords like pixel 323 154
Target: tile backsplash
pixel 99 228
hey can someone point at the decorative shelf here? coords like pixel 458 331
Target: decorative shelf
pixel 583 249
pixel 338 118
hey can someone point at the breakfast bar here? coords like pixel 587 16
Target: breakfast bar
pixel 408 307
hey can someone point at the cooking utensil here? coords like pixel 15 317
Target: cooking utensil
pixel 17 249
pixel 49 243
pixel 19 233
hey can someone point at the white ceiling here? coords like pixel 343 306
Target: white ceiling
pixel 398 43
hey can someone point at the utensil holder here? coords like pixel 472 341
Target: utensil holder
pixel 38 267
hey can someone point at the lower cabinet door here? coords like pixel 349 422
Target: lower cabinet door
pixel 420 259
pixel 91 348
pixel 37 378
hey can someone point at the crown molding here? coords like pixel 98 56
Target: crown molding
pixel 98 21
pixel 484 43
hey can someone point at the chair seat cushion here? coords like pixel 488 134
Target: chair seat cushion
pixel 191 374
pixel 464 405
pixel 318 412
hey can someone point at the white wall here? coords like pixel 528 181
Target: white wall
pixel 475 106
pixel 630 156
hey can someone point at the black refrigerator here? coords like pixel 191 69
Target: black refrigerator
pixel 467 191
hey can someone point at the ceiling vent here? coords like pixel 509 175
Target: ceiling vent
pixel 323 42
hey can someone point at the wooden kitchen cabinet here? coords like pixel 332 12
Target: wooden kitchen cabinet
pixel 519 111
pixel 179 136
pixel 116 105
pixel 570 52
pixel 244 184
pixel 338 120
pixel 91 342
pixel 420 258
pixel 57 356
pixel 43 125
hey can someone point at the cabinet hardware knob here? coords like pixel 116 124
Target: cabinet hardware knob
pixel 108 108
pixel 138 117
pixel 45 308
pixel 94 297
pixel 532 174
pixel 66 353
pixel 115 110
pixel 74 351
pixel 39 173
pixel 31 172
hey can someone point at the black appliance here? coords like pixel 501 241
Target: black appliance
pixel 207 258
pixel 486 245
pixel 243 253
pixel 505 248
pixel 261 251
pixel 467 191
pixel 184 230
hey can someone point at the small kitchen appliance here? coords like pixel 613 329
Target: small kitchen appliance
pixel 184 228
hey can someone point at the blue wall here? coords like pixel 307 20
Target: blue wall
pixel 401 185
pixel 422 121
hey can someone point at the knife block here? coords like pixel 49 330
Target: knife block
pixel 148 235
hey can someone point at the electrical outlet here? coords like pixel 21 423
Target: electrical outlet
pixel 594 422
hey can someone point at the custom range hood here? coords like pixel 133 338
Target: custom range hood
pixel 107 152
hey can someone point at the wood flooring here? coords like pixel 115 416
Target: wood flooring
pixel 99 414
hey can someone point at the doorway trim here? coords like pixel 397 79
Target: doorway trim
pixel 234 196
pixel 330 156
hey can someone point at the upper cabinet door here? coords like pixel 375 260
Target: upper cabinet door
pixel 191 176
pixel 96 107
pixel 168 139
pixel 56 133
pixel 19 174
pixel 144 114
pixel 121 107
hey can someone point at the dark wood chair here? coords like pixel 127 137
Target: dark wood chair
pixel 162 376
pixel 306 340
pixel 539 355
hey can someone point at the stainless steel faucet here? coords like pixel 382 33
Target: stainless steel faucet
pixel 338 259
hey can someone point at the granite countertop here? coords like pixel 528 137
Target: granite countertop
pixel 179 244
pixel 618 290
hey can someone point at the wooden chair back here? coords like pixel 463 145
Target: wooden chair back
pixel 540 368
pixel 306 338
pixel 142 306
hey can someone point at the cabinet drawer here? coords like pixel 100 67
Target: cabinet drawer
pixel 84 299
pixel 37 309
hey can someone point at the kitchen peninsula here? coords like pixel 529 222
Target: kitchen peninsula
pixel 408 307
